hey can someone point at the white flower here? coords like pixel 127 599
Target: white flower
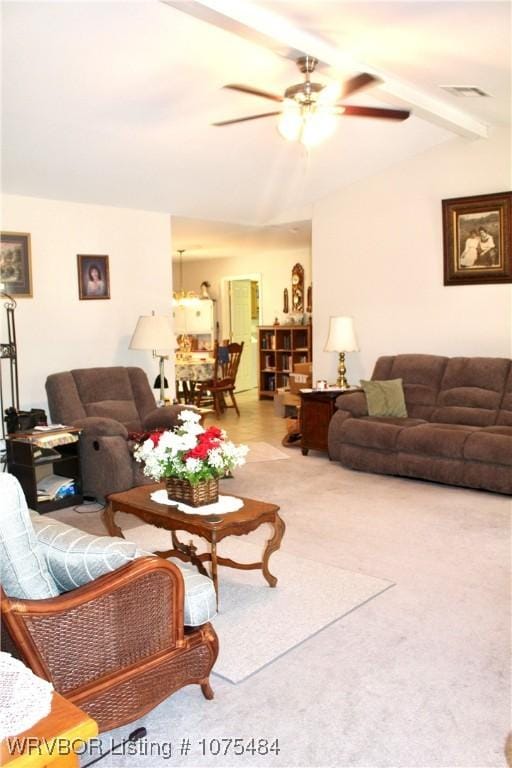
pixel 189 416
pixel 192 465
pixel 215 458
pixel 168 458
pixel 195 429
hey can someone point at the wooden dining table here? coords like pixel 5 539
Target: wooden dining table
pixel 189 373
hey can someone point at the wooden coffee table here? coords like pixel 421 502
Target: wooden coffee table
pixel 213 528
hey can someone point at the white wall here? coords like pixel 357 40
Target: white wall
pixel 55 330
pixel 275 268
pixel 378 256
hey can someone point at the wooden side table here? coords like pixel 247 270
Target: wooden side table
pixel 31 455
pixel 49 742
pixel 316 410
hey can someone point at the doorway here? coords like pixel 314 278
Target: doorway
pixel 241 317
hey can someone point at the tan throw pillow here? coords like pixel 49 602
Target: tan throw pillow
pixel 385 398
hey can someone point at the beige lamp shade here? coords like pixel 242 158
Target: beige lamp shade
pixel 154 332
pixel 342 337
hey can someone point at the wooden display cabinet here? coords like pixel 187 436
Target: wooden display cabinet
pixel 279 348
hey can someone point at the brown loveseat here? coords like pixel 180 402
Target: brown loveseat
pixel 458 429
pixel 108 404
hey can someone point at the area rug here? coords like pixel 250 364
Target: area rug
pixel 256 624
pixel 260 451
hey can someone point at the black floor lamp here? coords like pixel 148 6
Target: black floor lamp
pixel 8 351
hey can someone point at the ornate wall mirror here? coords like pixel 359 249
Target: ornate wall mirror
pixel 298 288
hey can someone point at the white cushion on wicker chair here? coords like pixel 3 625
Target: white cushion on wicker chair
pixel 75 558
pixel 23 570
pixel 200 599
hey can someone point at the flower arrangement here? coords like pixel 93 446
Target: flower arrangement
pixel 189 451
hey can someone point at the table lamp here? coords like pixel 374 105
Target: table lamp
pixel 342 338
pixel 155 332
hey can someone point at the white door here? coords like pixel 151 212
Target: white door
pixel 241 326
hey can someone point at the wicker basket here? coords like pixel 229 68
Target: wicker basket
pixel 205 492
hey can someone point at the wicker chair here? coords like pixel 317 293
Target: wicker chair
pixel 115 647
pixel 227 360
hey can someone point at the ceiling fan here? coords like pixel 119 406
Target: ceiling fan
pixel 310 109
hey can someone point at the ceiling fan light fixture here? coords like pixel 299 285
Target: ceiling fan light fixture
pixel 318 125
pixel 309 109
pixel 308 124
pixel 289 124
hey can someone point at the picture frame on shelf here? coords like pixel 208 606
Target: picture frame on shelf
pixel 93 277
pixel 477 239
pixel 15 264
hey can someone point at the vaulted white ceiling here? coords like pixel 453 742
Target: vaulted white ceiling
pixel 111 103
pixel 204 239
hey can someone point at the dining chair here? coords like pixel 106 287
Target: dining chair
pixel 227 361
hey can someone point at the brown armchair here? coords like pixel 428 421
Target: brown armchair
pixel 115 647
pixel 107 404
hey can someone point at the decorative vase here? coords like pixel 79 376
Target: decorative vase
pixel 204 492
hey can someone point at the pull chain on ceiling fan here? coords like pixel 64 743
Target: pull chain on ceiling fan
pixel 309 109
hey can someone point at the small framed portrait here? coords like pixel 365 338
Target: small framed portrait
pixel 477 234
pixel 93 277
pixel 15 269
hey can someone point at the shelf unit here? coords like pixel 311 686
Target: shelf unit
pixel 279 348
pixel 30 463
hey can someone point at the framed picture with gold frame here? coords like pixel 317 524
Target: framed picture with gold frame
pixel 477 235
pixel 15 267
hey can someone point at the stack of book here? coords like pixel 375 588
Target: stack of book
pixel 55 487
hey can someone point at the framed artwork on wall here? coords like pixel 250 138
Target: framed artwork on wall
pixel 477 239
pixel 15 267
pixel 298 288
pixel 93 277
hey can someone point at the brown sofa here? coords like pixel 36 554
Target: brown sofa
pixel 107 404
pixel 458 429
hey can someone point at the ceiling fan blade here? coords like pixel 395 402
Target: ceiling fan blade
pixel 254 92
pixel 243 119
pixel 387 114
pixel 356 83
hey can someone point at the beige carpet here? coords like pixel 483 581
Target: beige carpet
pixel 417 678
pixel 259 451
pixel 257 624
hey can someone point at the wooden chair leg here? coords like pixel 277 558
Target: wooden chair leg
pixel 217 404
pixel 207 689
pixel 233 400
